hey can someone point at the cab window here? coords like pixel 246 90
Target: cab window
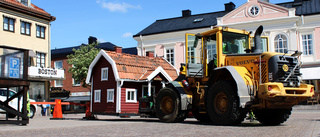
pixel 234 43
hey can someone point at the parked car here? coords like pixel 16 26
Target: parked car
pixel 14 103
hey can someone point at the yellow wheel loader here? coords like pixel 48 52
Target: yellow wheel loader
pixel 225 77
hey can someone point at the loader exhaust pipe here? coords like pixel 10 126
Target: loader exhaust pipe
pixel 257 40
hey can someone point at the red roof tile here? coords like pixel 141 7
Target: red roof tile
pixel 139 68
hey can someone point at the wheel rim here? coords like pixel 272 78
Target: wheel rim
pixel 221 103
pixel 167 105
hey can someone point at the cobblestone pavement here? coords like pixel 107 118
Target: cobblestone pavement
pixel 302 122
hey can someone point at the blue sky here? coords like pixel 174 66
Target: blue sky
pixel 116 21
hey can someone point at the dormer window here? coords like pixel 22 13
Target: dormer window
pixel 25 2
pixel 198 20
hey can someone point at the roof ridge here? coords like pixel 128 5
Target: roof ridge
pixel 191 15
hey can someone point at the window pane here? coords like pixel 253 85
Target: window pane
pixel 11 27
pixel 5 24
pixel 42 32
pixel 23 28
pixel 38 31
pixel 28 28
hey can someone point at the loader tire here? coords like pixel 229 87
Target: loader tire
pixel 272 116
pixel 223 105
pixel 168 106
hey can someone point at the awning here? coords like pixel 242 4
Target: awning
pixel 77 98
pixel 311 73
pixel 32 53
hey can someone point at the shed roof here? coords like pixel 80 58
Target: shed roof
pixel 134 67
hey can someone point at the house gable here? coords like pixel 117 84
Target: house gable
pixel 255 10
pixel 102 53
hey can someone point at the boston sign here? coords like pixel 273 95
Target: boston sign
pixel 46 73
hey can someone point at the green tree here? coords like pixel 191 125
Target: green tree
pixel 81 60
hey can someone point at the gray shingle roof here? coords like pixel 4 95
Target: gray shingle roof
pixel 303 7
pixel 182 23
pixel 63 52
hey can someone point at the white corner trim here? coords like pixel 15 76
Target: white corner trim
pixel 109 59
pixel 157 71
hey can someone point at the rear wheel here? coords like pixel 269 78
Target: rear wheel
pixel 272 116
pixel 223 105
pixel 168 106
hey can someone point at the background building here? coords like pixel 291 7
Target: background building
pixel 27 26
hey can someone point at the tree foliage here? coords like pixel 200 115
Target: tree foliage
pixel 81 60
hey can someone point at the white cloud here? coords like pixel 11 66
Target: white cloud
pixel 117 7
pixel 127 34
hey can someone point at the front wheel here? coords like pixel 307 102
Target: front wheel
pixel 272 116
pixel 223 105
pixel 168 106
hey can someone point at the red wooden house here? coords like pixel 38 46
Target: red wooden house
pixel 118 80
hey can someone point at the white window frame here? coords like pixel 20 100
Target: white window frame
pixel 56 85
pixel 172 62
pixel 285 43
pixel 102 76
pixel 312 44
pixel 146 86
pixel 134 91
pixel 97 96
pixel 74 84
pixel 55 64
pixel 110 93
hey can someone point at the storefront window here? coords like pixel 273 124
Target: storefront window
pixel 37 91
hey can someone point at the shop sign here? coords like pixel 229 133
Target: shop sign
pixel 37 72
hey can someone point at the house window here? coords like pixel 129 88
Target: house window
pixel 41 59
pixel 75 82
pixel 131 95
pixel 110 95
pixel 24 2
pixel 40 31
pixel 145 90
pixel 58 64
pixel 8 24
pixel 25 28
pixel 97 96
pixel 58 83
pixel 280 44
pixel 170 55
pixel 104 74
pixel 307 44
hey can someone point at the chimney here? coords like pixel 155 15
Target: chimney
pixel 150 54
pixel 92 40
pixel 186 13
pixel 229 6
pixel 118 49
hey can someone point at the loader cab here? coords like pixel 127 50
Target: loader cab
pixel 213 46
